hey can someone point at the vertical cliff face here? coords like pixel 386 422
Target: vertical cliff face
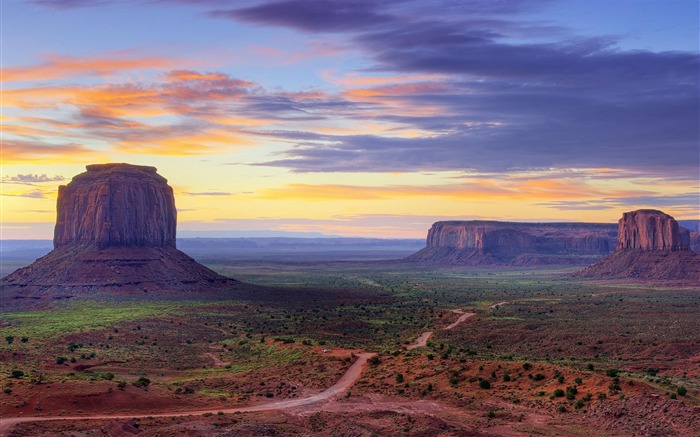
pixel 481 242
pixel 651 230
pixel 116 205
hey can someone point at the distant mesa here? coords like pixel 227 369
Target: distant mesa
pixel 115 234
pixel 484 243
pixel 650 245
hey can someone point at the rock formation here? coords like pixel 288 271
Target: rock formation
pixel 116 205
pixel 115 234
pixel 650 245
pixel 648 229
pixel 490 242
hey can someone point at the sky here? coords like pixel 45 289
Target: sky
pixel 356 118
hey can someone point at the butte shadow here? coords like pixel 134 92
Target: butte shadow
pixel 115 236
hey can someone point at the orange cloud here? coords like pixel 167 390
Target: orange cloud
pixel 472 189
pixel 61 67
pixel 21 152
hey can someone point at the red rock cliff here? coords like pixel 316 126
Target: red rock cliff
pixel 651 230
pixel 116 205
pixel 492 242
pixel 650 245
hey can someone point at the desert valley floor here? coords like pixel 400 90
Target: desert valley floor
pixel 535 352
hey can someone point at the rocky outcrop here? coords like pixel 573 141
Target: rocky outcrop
pixel 650 245
pixel 115 234
pixel 116 205
pixel 651 230
pixel 490 242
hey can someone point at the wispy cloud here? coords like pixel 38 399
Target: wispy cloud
pixel 34 151
pixel 686 202
pixel 56 66
pixel 207 193
pixel 30 179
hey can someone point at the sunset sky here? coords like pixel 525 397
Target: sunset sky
pixel 356 118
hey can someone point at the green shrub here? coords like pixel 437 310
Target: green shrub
pixel 558 393
pixel 538 377
pixel 612 372
pixel 682 390
pixel 484 384
pixel 17 374
pixel 61 360
pixel 142 382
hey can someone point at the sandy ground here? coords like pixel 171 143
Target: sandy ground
pixel 341 386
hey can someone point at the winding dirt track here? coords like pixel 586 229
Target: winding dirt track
pixel 464 316
pixel 422 340
pixel 345 381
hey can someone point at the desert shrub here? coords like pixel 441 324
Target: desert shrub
pixel 561 409
pixel 538 377
pixel 682 390
pixel 455 380
pixel 24 339
pixel 142 382
pixel 491 414
pixel 9 339
pixel 484 384
pixel 579 404
pixel 560 379
pixel 612 372
pixel 578 381
pixel 590 367
pixel 558 393
pixel 374 360
pixel 121 385
pixel 61 360
pixel 399 378
pixel 17 374
pixel 527 366
pixel 506 378
pixel 571 393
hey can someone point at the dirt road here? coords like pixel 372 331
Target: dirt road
pixel 464 316
pixel 341 386
pixel 421 341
